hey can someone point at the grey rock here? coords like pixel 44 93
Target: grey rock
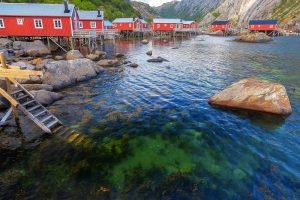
pixel 149 53
pixel 24 65
pixel 73 55
pixel 10 143
pixel 35 48
pixel 63 73
pixel 45 97
pixel 4 42
pixel 254 38
pixel 108 63
pixel 38 87
pixel 58 58
pixel 92 57
pixel 134 65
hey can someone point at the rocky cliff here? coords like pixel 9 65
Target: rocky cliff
pixel 146 11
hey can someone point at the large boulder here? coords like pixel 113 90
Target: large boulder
pixel 73 55
pixel 24 65
pixel 149 53
pixel 35 48
pixel 45 97
pixel 92 57
pixel 253 94
pixel 4 42
pixel 217 33
pixel 254 37
pixel 63 73
pixel 109 63
pixel 38 87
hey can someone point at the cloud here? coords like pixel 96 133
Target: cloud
pixel 154 2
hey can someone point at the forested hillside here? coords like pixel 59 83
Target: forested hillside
pixel 112 8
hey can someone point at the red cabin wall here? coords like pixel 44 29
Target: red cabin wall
pixel 165 26
pixel 86 24
pixel 28 29
pixel 262 27
pixel 125 26
pixel 220 27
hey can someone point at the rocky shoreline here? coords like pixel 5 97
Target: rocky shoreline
pixel 58 72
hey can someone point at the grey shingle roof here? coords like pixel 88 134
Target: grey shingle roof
pixel 85 15
pixel 32 9
pixel 160 20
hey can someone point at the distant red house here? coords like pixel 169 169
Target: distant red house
pixel 220 25
pixel 108 25
pixel 190 25
pixel 127 24
pixel 263 25
pixel 91 20
pixel 29 19
pixel 166 24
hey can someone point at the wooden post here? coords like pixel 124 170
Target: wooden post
pixel 48 42
pixel 9 90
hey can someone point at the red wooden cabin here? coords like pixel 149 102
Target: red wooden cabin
pixel 144 24
pixel 220 26
pixel 36 20
pixel 91 20
pixel 166 24
pixel 108 25
pixel 263 25
pixel 127 24
pixel 190 25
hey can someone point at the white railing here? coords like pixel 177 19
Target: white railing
pixel 186 29
pixel 93 33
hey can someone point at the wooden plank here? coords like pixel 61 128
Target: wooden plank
pixel 7 114
pixel 14 76
pixel 20 72
pixel 13 102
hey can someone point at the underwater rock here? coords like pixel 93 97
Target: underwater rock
pixel 45 97
pixel 157 60
pixel 73 55
pixel 254 37
pixel 239 174
pixel 253 94
pixel 109 63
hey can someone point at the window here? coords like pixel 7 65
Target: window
pixel 20 21
pixel 171 26
pixel 80 25
pixel 38 23
pixel 165 25
pixel 1 23
pixel 129 25
pixel 252 26
pixel 57 24
pixel 258 26
pixel 223 26
pixel 271 26
pixel 158 25
pixel 93 24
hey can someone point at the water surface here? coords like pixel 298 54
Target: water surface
pixel 153 135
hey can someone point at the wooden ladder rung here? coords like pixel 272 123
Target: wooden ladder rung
pixel 33 108
pixel 40 113
pixel 16 92
pixel 22 97
pixel 49 125
pixel 46 118
pixel 28 102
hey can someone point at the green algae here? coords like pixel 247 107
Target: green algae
pixel 148 153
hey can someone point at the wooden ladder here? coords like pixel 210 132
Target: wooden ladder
pixel 25 102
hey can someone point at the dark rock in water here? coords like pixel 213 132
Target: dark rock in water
pixel 254 38
pixel 126 62
pixel 45 97
pixel 253 94
pixel 175 48
pixel 149 53
pixel 134 65
pixel 119 55
pixel 163 59
pixel 109 63
pixel 155 60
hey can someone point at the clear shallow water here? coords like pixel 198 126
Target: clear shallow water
pixel 153 135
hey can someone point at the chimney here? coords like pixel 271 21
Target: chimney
pixel 66 6
pixel 99 13
pixel 133 18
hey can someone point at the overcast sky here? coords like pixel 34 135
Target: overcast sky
pixel 154 2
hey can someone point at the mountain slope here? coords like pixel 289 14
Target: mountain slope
pixel 112 8
pixel 146 11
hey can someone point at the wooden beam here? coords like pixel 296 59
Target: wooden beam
pixel 20 72
pixel 5 117
pixel 7 96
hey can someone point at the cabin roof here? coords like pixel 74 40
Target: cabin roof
pixel 86 15
pixel 125 20
pixel 187 22
pixel 220 22
pixel 34 9
pixel 255 22
pixel 143 21
pixel 108 23
pixel 161 20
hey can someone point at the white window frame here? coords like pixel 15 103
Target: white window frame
pixel 80 24
pixel 158 25
pixel 252 26
pixel 38 27
pixel 93 24
pixel 20 21
pixel 130 25
pixel 2 26
pixel 54 23
pixel 165 25
pixel 171 26
pixel 271 26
